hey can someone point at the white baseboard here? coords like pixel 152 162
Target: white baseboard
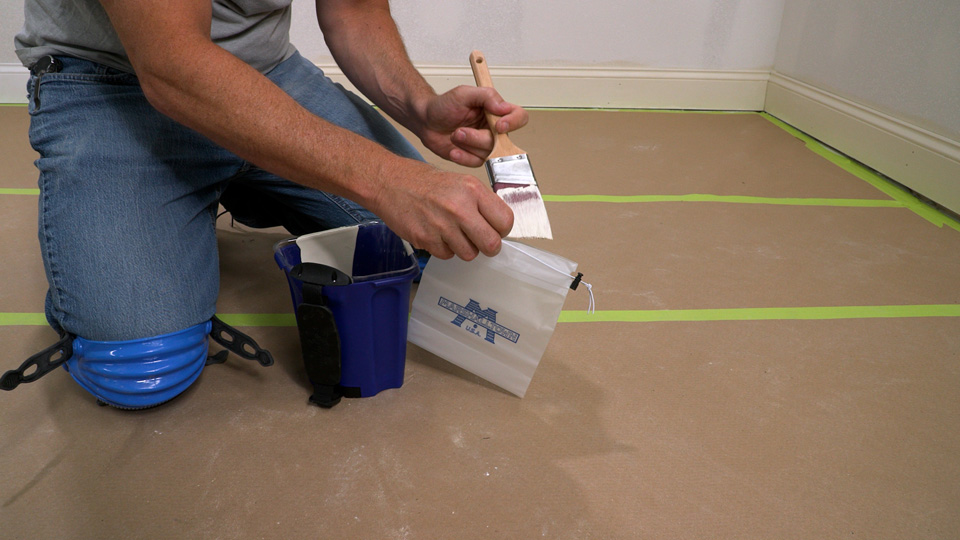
pixel 13 83
pixel 613 88
pixel 562 87
pixel 924 161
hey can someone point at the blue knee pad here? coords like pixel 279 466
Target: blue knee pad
pixel 140 373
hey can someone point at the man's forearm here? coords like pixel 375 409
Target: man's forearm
pixel 364 40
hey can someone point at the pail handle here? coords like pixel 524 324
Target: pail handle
pixel 319 338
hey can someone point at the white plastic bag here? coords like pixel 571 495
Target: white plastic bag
pixel 492 316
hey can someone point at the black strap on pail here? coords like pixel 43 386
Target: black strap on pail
pixel 319 338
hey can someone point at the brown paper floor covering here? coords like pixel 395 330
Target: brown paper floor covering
pixel 729 429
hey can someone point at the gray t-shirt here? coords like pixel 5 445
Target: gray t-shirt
pixel 257 32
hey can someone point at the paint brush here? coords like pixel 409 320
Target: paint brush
pixel 510 172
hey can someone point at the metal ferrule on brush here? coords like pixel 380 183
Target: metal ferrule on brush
pixel 514 170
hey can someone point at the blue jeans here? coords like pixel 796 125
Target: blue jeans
pixel 128 197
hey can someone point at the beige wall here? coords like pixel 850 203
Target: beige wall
pixel 900 58
pixel 11 19
pixel 692 34
pixel 695 34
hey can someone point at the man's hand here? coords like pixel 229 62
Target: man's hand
pixel 445 213
pixel 364 40
pixel 455 128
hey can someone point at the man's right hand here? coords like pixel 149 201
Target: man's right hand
pixel 444 213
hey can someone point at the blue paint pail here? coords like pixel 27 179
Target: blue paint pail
pixel 370 313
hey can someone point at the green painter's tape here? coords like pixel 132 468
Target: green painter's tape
pixel 23 319
pixel 907 199
pixel 764 314
pixel 654 315
pixel 258 319
pixel 694 197
pixel 737 199
pixel 628 110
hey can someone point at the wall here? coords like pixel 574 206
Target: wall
pixel 880 81
pixel 617 53
pixel 900 58
pixel 11 19
pixel 694 54
pixel 688 34
pixel 12 77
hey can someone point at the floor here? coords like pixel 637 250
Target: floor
pixel 774 355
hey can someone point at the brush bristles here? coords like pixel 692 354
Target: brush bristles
pixel 529 214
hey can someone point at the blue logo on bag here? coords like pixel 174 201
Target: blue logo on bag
pixel 481 318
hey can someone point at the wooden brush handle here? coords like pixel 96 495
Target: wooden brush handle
pixel 502 145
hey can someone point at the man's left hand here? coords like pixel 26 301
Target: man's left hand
pixel 455 127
